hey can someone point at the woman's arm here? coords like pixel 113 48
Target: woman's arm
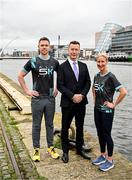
pixel 122 94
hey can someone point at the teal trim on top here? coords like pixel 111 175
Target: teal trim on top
pixel 105 109
pixel 117 88
pixel 108 111
pixel 24 70
pixel 33 60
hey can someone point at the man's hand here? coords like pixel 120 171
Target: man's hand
pixel 32 93
pixel 77 98
pixel 55 92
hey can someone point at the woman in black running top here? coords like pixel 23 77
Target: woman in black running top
pixel 104 86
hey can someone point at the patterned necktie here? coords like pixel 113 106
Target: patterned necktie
pixel 75 69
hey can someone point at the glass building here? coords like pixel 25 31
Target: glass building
pixel 122 41
pixel 104 41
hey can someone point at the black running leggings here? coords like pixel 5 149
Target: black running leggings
pixel 103 123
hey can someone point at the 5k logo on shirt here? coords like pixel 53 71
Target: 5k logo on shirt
pixel 99 87
pixel 46 71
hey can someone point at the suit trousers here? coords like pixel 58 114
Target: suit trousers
pixel 68 113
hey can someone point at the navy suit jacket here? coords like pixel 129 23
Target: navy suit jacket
pixel 68 85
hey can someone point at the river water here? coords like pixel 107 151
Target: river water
pixel 122 126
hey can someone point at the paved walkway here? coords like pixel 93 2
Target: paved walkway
pixel 77 168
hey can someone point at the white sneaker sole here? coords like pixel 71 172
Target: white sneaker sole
pixel 107 168
pixel 98 163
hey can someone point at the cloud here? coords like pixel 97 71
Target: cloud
pixel 71 19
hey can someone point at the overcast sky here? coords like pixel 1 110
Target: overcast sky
pixel 23 22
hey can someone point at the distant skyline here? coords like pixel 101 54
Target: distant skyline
pixel 23 22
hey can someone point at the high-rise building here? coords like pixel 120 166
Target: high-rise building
pixel 105 36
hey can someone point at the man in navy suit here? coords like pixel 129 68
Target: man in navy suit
pixel 74 84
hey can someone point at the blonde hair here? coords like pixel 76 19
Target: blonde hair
pixel 102 55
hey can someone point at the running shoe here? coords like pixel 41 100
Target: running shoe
pixel 106 166
pixel 99 160
pixel 36 155
pixel 51 151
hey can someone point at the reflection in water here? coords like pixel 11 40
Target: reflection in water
pixel 122 126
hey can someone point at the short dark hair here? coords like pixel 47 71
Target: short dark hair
pixel 44 39
pixel 74 42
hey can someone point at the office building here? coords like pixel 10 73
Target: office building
pixel 122 41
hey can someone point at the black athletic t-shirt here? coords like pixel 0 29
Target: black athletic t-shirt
pixel 105 87
pixel 42 74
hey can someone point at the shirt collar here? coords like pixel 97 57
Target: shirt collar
pixel 43 58
pixel 71 61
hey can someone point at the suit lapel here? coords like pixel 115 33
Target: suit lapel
pixel 79 66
